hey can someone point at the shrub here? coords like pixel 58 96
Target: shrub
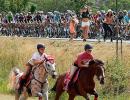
pixel 116 77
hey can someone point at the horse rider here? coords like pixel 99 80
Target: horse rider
pixel 82 60
pixel 37 58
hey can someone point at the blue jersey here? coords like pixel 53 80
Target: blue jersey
pixel 57 18
pixel 127 19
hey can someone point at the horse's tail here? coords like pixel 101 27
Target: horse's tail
pixel 12 78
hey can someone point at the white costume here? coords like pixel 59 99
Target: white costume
pixel 83 24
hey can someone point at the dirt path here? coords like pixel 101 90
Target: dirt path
pixel 11 97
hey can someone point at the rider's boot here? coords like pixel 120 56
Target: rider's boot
pixel 67 84
pixel 72 70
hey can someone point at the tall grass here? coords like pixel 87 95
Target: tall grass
pixel 15 52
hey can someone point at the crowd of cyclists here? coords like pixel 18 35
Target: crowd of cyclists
pixel 101 24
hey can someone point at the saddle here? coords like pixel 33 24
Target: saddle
pixel 74 77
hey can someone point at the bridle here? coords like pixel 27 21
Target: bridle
pixel 34 69
pixel 102 68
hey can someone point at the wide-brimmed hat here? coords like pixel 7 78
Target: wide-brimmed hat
pixel 109 10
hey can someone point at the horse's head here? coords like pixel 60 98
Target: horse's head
pixel 49 64
pixel 99 69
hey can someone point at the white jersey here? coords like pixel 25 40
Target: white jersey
pixel 35 56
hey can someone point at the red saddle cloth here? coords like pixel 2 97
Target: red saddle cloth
pixel 74 77
pixel 28 80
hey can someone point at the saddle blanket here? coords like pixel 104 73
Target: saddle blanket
pixel 74 77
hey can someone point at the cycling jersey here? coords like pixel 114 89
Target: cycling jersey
pixel 126 19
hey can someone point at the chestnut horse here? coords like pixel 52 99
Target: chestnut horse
pixel 85 83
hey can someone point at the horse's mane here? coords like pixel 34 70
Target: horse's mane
pixel 91 62
pixel 97 61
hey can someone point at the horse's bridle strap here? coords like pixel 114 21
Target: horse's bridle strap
pixel 35 69
pixel 39 81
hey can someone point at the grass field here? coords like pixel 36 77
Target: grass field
pixel 17 51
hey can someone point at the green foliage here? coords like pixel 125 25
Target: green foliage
pixel 116 78
pixel 121 4
pixel 13 5
pixel 79 4
pixel 61 5
pixel 2 5
pixel 32 9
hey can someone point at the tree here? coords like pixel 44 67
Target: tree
pixel 32 9
pixel 61 5
pixel 16 5
pixel 2 5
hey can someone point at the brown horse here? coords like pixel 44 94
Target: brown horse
pixel 85 83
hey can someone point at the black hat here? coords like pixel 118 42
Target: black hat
pixel 87 47
pixel 40 46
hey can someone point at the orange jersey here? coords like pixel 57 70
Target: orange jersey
pixel 72 26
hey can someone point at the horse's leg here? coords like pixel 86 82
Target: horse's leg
pixel 59 91
pixel 82 92
pixel 45 95
pixel 39 98
pixel 17 95
pixel 87 97
pixel 58 94
pixel 71 97
pixel 95 94
pixel 23 95
pixel 58 88
pixel 45 91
